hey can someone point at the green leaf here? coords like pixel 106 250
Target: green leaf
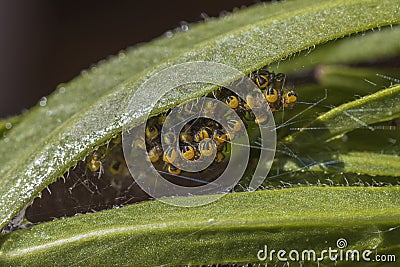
pixel 335 85
pixel 372 164
pixel 351 81
pixel 381 44
pixel 377 107
pixel 233 229
pixel 86 113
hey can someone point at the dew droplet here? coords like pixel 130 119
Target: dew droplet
pixel 184 26
pixel 43 101
pixel 8 125
pixel 121 55
pixel 61 90
pixel 169 34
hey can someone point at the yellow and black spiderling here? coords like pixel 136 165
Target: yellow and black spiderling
pixel 173 170
pixel 94 163
pixel 209 108
pixel 151 133
pixel 219 157
pixel 188 152
pixel 206 147
pixel 263 78
pixel 170 155
pixel 101 181
pixel 116 165
pixel 154 154
pixel 289 99
pixel 279 81
pixel 272 95
pixel 202 133
pixel 232 102
pixel 220 136
pixel 185 135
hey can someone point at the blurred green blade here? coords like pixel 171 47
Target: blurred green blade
pixel 232 229
pixel 340 84
pixel 373 164
pixel 377 107
pixel 366 47
pixel 353 81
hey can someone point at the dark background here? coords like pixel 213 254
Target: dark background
pixel 47 42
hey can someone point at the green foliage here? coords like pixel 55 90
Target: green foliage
pixel 87 112
pixel 233 229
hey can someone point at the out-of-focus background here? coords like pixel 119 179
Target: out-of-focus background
pixel 47 42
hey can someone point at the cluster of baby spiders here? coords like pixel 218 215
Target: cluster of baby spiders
pixel 197 137
pixel 104 175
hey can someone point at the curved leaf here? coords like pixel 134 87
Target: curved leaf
pixel 364 47
pixel 377 107
pixel 87 112
pixel 335 85
pixel 372 164
pixel 233 229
